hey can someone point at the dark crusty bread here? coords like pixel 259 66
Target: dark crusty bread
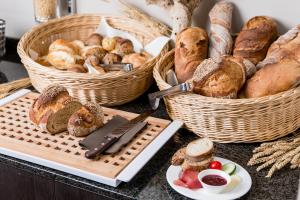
pixel 221 77
pixel 85 120
pixel 190 50
pixel 255 38
pixel 280 70
pixel 178 157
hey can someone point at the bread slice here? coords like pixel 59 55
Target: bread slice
pixel 199 149
pixel 56 122
pixel 196 166
pixel 178 157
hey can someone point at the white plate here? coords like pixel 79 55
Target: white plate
pixel 201 194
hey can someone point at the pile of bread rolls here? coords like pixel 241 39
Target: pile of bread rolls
pixel 256 64
pixel 96 49
pixel 56 111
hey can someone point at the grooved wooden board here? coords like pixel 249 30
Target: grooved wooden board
pixel 17 133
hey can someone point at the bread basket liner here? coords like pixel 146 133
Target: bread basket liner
pixel 232 120
pixel 110 89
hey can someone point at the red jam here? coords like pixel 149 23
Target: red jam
pixel 214 180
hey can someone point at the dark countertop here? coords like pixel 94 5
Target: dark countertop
pixel 150 183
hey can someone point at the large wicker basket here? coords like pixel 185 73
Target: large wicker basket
pixel 109 89
pixel 232 120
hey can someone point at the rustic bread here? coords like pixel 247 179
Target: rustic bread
pixel 178 157
pixel 62 45
pixel 109 44
pixel 190 50
pixel 61 59
pixel 221 78
pixel 280 70
pixel 220 40
pixel 53 108
pixel 198 149
pixel 85 120
pixel 255 38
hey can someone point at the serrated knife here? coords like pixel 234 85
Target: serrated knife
pixel 115 135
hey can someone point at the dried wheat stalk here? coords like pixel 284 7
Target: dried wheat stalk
pixel 277 155
pixel 8 88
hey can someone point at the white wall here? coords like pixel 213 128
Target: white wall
pixel 19 13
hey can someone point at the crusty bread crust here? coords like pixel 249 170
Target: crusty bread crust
pixel 255 38
pixel 190 50
pixel 178 157
pixel 87 119
pixel 196 166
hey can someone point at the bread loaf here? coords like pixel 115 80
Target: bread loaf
pixel 220 40
pixel 85 120
pixel 111 58
pixel 280 70
pixel 53 108
pixel 255 38
pixel 123 46
pixel 94 50
pixel 222 77
pixel 190 50
pixel 62 45
pixel 77 68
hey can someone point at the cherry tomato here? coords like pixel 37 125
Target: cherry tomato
pixel 215 165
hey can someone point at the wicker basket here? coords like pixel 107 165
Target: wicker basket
pixel 232 120
pixel 113 88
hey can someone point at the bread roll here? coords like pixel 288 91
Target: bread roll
pixel 97 51
pixel 87 119
pixel 61 59
pixel 109 44
pixel 178 157
pixel 53 108
pixel 255 38
pixel 220 40
pixel 43 61
pixel 221 78
pixel 123 46
pixel 136 59
pixel 78 45
pixel 112 58
pixel 77 68
pixel 94 39
pixel 280 70
pixel 62 45
pixel 190 50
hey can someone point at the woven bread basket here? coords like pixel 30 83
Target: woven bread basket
pixel 231 120
pixel 114 88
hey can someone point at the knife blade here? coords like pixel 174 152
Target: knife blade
pixel 114 136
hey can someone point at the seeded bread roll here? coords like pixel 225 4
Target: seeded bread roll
pixel 178 157
pixel 255 38
pixel 85 120
pixel 94 39
pixel 53 108
pixel 190 50
pixel 221 78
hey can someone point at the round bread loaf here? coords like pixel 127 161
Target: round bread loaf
pixel 136 59
pixel 94 39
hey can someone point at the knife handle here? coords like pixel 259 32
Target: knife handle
pixel 102 147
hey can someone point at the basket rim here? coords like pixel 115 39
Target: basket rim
pixel 73 75
pixel 259 100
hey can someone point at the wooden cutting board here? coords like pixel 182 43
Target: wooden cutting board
pixel 19 135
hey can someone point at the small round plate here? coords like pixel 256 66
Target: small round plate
pixel 239 190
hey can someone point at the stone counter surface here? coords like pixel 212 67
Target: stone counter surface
pixel 150 183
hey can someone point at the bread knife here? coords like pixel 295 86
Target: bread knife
pixel 115 135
